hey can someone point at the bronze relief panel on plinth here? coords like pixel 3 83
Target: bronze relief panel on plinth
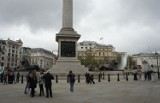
pixel 68 49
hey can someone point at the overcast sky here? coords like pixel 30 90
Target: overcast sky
pixel 131 26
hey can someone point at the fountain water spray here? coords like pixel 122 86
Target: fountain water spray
pixel 123 61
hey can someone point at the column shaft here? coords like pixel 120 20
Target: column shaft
pixel 67 14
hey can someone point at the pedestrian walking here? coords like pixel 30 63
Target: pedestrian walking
pixel 71 78
pixel 87 76
pixel 48 77
pixel 92 79
pixel 135 73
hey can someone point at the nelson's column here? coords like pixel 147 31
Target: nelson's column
pixel 67 44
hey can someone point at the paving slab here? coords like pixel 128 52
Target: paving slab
pixel 101 92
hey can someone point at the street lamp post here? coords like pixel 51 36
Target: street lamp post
pixel 157 65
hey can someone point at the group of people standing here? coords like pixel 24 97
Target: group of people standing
pixel 147 73
pixel 44 79
pixel 33 79
pixel 10 77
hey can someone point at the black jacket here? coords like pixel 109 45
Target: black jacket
pixel 32 81
pixel 71 77
pixel 47 78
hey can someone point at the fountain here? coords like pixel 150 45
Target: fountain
pixel 123 61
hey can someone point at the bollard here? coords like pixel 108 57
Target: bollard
pixel 108 77
pixel 56 78
pixel 118 77
pixel 103 75
pixel 22 79
pixel 78 78
pixel 158 75
pixel 99 78
pixel 126 76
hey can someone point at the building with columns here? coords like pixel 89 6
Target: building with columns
pixel 100 52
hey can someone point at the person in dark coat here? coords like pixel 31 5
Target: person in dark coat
pixel 87 76
pixel 27 83
pixel 71 78
pixel 32 82
pixel 48 77
pixel 92 79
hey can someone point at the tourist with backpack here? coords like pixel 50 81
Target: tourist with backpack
pixel 71 78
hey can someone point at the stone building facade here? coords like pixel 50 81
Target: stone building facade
pixel 99 51
pixel 149 58
pixel 44 58
pixel 11 52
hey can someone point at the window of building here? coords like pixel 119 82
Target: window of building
pixel 13 51
pixel 2 58
pixel 81 47
pixel 2 64
pixel 13 46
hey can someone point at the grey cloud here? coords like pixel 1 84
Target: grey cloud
pixel 130 24
pixel 34 13
pixel 145 11
pixel 38 14
pixel 82 9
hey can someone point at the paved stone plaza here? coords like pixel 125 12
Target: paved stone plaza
pixel 102 92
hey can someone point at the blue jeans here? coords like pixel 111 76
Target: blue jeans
pixel 71 87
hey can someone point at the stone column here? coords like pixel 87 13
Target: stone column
pixel 67 20
pixel 67 44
